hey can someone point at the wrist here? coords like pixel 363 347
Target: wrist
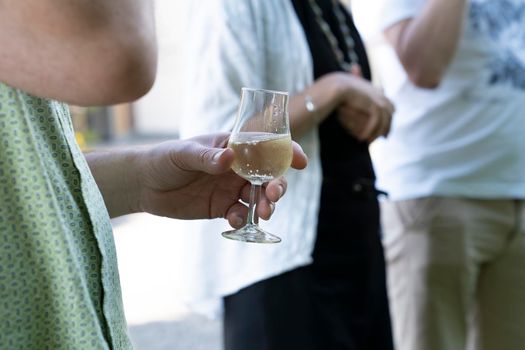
pixel 131 178
pixel 312 109
pixel 340 84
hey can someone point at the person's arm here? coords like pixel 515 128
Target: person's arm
pixel 85 52
pixel 362 109
pixel 324 95
pixel 426 44
pixel 214 93
pixel 185 179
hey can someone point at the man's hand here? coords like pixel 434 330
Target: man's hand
pixel 186 179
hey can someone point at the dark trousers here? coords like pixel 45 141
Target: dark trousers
pixel 337 302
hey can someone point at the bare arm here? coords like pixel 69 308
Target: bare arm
pixel 86 52
pixel 186 179
pixel 427 43
pixel 326 94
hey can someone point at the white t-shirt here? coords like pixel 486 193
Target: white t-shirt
pixel 466 137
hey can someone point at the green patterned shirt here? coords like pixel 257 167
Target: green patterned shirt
pixel 59 283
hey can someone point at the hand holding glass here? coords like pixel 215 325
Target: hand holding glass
pixel 262 145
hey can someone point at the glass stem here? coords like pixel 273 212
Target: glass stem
pixel 255 192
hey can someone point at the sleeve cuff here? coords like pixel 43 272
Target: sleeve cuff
pixel 395 11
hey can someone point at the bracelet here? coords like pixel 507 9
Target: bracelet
pixel 310 107
pixel 309 103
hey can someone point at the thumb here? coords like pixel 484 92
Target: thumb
pixel 197 157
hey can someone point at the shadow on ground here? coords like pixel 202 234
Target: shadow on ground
pixel 189 333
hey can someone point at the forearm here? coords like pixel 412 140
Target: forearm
pixel 115 175
pixel 78 51
pixel 427 43
pixel 325 94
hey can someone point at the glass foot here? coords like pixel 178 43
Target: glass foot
pixel 251 234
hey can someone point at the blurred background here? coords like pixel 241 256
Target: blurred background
pixel 146 245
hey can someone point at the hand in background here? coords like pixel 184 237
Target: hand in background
pixel 364 110
pixel 192 179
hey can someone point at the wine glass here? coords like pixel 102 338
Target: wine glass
pixel 262 145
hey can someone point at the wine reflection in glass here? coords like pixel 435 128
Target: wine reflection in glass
pixel 262 145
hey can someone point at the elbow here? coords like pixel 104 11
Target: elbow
pixel 425 74
pixel 111 58
pixel 116 71
pixel 424 79
pixel 114 78
pixel 129 51
pixel 132 74
pixel 134 79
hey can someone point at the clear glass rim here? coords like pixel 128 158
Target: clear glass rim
pixel 264 90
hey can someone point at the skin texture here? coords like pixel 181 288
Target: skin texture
pixel 427 43
pixel 186 179
pixel 84 52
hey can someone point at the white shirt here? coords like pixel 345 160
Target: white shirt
pixel 253 43
pixel 467 137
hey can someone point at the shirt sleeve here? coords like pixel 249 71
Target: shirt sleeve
pixel 224 54
pixel 395 11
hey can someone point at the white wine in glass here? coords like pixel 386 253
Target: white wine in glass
pixel 262 145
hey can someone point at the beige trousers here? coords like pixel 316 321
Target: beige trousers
pixel 456 273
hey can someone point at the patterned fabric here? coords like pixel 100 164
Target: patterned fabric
pixel 501 23
pixel 59 284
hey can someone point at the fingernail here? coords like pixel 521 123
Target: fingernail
pixel 272 208
pixel 281 191
pixel 238 221
pixel 217 156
